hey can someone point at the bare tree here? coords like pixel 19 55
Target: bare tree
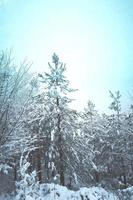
pixel 14 94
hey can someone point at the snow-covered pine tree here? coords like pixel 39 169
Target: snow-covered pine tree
pixel 118 139
pixel 56 87
pixel 129 139
pixel 116 107
pixel 92 138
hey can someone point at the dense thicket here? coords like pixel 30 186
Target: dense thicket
pixel 63 145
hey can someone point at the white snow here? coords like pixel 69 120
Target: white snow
pixel 62 193
pixel 56 192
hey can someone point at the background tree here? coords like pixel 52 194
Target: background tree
pixel 14 84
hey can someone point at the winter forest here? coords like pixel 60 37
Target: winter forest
pixel 45 143
pixel 66 100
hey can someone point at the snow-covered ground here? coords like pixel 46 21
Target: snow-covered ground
pixel 56 192
pixel 62 193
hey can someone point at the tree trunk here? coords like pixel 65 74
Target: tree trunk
pixel 60 147
pixel 30 161
pixel 62 178
pixel 97 177
pixel 15 173
pixel 39 168
pixel 61 160
pixel 124 173
pixel 47 177
pixel 125 180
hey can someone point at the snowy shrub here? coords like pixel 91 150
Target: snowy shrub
pixel 27 187
pixel 4 168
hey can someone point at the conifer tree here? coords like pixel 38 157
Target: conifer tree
pixel 56 87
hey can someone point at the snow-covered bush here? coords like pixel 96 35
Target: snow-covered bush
pixel 4 168
pixel 28 187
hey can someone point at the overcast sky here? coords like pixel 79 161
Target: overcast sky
pixel 93 37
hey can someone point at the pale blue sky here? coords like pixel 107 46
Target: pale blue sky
pixel 94 38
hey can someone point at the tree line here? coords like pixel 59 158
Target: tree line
pixel 63 145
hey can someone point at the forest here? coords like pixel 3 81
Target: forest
pixel 44 141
